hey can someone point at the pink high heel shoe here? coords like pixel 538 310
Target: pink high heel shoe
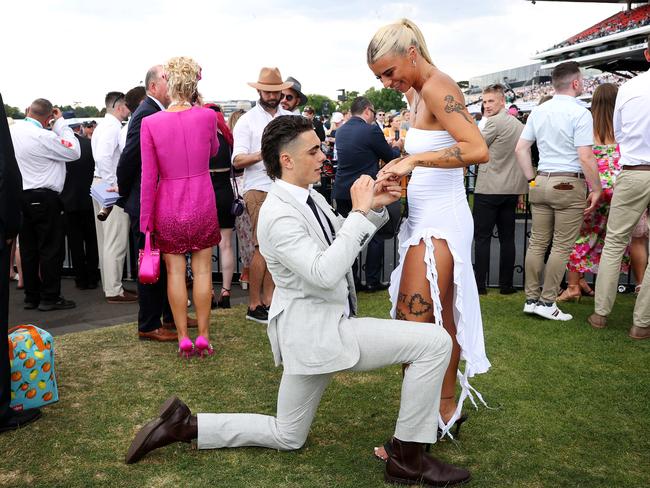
pixel 204 348
pixel 185 348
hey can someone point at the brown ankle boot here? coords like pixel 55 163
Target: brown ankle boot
pixel 409 465
pixel 175 424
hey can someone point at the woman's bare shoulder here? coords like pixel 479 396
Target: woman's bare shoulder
pixel 440 88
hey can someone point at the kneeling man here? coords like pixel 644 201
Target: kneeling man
pixel 309 251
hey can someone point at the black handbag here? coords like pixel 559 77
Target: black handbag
pixel 237 208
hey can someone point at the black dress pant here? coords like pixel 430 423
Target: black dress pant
pixel 374 251
pixel 152 299
pixel 82 242
pixel 5 370
pixel 42 245
pixel 491 210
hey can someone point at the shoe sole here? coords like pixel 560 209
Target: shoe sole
pixel 47 308
pixel 173 339
pixel 401 481
pixel 553 318
pixel 259 321
pixel 166 410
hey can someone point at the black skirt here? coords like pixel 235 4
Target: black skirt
pixel 224 196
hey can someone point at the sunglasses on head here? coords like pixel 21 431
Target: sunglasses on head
pixel 118 99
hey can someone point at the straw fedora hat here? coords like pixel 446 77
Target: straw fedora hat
pixel 270 80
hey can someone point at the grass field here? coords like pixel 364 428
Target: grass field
pixel 571 408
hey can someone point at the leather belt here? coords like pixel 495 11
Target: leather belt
pixel 561 173
pixel 638 167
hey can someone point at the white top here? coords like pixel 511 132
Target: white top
pixel 106 148
pixel 248 140
pixel 42 154
pixel 123 133
pixel 560 126
pixel 632 120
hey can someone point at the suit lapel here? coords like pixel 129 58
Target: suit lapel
pixel 303 209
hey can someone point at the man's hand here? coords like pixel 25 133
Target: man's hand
pixel 362 193
pixel 592 201
pixel 386 192
pixel 113 189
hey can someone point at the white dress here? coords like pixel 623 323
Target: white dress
pixel 438 208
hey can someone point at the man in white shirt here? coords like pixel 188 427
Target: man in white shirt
pixel 631 198
pixel 563 130
pixel 41 156
pixel 293 97
pixel 113 233
pixel 247 154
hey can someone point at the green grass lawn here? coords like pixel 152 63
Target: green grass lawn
pixel 571 408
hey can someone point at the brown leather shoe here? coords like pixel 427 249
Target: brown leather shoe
pixel 191 324
pixel 597 321
pixel 639 333
pixel 126 297
pixel 409 465
pixel 160 335
pixel 175 423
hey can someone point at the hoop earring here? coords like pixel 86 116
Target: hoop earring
pixel 413 61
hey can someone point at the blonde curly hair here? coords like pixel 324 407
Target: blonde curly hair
pixel 183 75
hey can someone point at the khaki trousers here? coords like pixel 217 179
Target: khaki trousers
pixel 112 244
pixel 631 198
pixel 426 347
pixel 557 205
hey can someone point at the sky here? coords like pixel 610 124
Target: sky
pixel 78 50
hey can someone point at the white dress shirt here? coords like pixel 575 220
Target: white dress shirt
pixel 632 120
pixel 248 139
pixel 560 126
pixel 42 154
pixel 106 148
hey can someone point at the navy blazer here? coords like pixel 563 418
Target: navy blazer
pixel 359 146
pixel 129 168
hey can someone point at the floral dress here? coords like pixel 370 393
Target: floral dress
pixel 585 256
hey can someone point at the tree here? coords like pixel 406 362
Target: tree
pixel 13 112
pixel 385 99
pixel 350 96
pixel 320 103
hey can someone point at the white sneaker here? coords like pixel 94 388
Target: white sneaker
pixel 551 312
pixel 529 306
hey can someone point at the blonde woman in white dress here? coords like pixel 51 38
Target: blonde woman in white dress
pixel 434 281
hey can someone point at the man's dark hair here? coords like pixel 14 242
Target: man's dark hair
pixel 308 109
pixel 281 131
pixel 134 96
pixel 359 104
pixel 41 107
pixel 563 74
pixel 112 98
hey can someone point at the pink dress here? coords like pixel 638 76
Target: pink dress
pixel 177 194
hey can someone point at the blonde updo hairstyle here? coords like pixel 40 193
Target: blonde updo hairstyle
pixel 183 75
pixel 396 39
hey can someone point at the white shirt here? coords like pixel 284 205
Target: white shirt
pixel 106 148
pixel 560 126
pixel 248 140
pixel 301 194
pixel 632 120
pixel 123 132
pixel 42 154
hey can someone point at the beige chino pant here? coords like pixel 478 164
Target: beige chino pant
pixel 557 205
pixel 112 244
pixel 631 198
pixel 427 347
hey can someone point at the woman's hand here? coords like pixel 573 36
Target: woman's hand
pixel 397 168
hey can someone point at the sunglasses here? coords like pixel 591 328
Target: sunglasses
pixel 380 114
pixel 118 99
pixel 288 98
pixel 373 111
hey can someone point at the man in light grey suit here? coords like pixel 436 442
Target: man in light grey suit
pixel 498 186
pixel 310 251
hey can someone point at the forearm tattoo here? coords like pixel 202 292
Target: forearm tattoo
pixel 446 156
pixel 452 105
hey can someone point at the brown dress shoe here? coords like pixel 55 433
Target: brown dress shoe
pixel 639 333
pixel 409 465
pixel 126 297
pixel 597 321
pixel 160 335
pixel 174 424
pixel 191 324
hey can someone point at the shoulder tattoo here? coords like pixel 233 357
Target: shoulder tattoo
pixel 452 105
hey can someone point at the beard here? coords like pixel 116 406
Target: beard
pixel 272 104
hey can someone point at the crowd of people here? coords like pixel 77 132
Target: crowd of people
pixel 174 159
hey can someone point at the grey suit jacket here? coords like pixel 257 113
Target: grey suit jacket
pixel 501 174
pixel 307 328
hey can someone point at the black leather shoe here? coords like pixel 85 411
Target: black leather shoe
pixel 373 287
pixel 174 424
pixel 509 290
pixel 15 420
pixel 60 304
pixel 482 291
pixel 30 305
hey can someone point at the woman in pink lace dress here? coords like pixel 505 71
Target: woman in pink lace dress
pixel 177 199
pixel 585 256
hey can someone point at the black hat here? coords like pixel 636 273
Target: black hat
pixel 296 86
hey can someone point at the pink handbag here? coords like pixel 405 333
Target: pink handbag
pixel 148 262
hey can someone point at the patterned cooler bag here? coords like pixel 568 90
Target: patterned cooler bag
pixel 31 355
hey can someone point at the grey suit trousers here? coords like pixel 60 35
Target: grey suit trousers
pixel 427 347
